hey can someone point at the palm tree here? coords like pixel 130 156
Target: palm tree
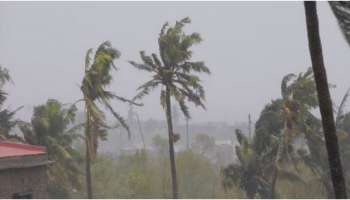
pixel 246 173
pixel 49 127
pixel 173 72
pixel 97 76
pixel 316 159
pixel 283 119
pixel 255 172
pixel 325 101
pixel 6 116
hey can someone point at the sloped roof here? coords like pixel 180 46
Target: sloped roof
pixel 10 149
pixel 19 155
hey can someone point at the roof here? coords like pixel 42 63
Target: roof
pixel 10 149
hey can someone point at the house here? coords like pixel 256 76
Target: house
pixel 23 170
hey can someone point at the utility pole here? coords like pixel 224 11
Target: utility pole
pixel 250 126
pixel 140 130
pixel 187 134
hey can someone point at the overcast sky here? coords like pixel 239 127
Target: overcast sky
pixel 248 46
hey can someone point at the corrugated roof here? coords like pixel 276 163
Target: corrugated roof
pixel 10 149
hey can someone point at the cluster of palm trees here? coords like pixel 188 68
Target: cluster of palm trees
pixel 291 115
pixel 178 77
pixel 172 70
pixel 271 154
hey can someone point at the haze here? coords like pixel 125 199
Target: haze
pixel 248 46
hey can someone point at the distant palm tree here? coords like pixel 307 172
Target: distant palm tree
pixel 324 98
pixel 97 76
pixel 173 72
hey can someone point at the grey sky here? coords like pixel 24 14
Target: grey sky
pixel 248 46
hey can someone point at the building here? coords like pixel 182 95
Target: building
pixel 23 170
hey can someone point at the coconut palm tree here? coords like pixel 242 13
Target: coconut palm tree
pixel 173 71
pixel 324 98
pixel 283 119
pixel 97 77
pixel 51 126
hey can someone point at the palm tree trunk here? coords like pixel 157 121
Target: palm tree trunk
pixel 171 143
pixel 324 100
pixel 88 173
pixel 88 158
pixel 273 184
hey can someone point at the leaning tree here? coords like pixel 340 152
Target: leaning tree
pixel 341 11
pixel 174 72
pixel 97 77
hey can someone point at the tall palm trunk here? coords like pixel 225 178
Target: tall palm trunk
pixel 324 100
pixel 171 143
pixel 88 157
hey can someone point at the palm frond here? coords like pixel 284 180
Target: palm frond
pixel 145 89
pixel 88 59
pixel 120 119
pixel 340 111
pixel 4 76
pixel 141 66
pixel 341 10
pixel 195 66
pixel 284 85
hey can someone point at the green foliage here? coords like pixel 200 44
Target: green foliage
pixel 249 173
pixel 174 68
pixel 51 126
pixel 7 121
pixel 96 78
pixel 197 176
pixel 285 117
pixel 177 76
pixel 145 175
pixel 269 156
pixel 4 76
pixel 341 10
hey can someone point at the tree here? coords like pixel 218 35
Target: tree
pixel 174 73
pixel 316 157
pixel 284 119
pixel 282 116
pixel 51 126
pixel 6 116
pixel 247 173
pixel 255 171
pixel 325 101
pixel 97 76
